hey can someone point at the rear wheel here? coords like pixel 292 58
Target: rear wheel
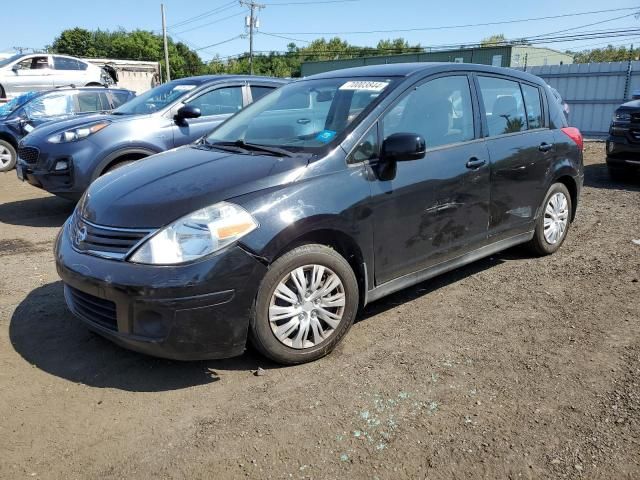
pixel 7 156
pixel 553 222
pixel 305 305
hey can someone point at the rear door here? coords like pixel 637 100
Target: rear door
pixel 435 208
pixel 93 101
pixel 521 150
pixel 216 105
pixel 66 71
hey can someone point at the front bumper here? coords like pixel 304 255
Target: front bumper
pixel 622 153
pixel 40 171
pixel 188 312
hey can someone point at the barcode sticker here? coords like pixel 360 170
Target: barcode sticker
pixel 365 85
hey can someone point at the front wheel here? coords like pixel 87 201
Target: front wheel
pixel 7 156
pixel 553 222
pixel 306 303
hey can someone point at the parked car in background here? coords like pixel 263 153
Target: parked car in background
pixel 41 71
pixel 24 113
pixel 623 144
pixel 327 194
pixel 65 157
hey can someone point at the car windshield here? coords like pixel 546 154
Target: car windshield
pixel 304 116
pixel 15 103
pixel 155 99
pixel 7 61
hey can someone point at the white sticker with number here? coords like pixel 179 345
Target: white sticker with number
pixel 365 85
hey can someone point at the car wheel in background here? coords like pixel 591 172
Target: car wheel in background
pixel 553 222
pixel 7 156
pixel 306 303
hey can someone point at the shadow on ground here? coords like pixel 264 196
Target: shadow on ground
pixel 597 176
pixel 36 212
pixel 47 336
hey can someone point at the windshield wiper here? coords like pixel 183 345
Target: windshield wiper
pixel 226 146
pixel 254 147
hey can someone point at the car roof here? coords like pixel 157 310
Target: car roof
pixel 202 79
pixel 68 88
pixel 421 69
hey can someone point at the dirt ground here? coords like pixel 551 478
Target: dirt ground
pixel 513 367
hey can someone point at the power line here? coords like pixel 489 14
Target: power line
pixel 285 38
pixel 206 14
pixel 220 43
pixel 211 23
pixel 277 4
pixel 587 25
pixel 503 22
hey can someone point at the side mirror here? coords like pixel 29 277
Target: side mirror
pixel 16 67
pixel 188 111
pixel 402 147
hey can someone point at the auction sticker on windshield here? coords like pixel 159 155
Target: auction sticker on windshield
pixel 364 85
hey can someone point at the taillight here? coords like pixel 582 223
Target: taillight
pixel 574 134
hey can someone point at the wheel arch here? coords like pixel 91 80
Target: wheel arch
pixel 338 240
pixel 571 184
pixel 133 153
pixel 10 139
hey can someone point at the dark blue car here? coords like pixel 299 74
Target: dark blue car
pixel 25 112
pixel 64 158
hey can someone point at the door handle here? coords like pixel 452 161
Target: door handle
pixel 303 121
pixel 475 163
pixel 545 147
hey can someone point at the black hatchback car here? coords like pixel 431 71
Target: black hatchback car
pixel 623 144
pixel 321 197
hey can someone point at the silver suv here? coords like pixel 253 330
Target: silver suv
pixel 34 72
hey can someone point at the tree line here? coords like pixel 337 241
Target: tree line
pixel 185 61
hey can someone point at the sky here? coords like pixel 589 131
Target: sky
pixel 296 18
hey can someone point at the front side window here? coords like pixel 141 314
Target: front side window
pixel 63 63
pixel 533 106
pixel 503 105
pixel 34 63
pixel 367 148
pixel 156 99
pixel 50 106
pixel 304 116
pixel 439 110
pixel 218 102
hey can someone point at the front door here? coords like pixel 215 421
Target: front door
pixel 216 105
pixel 434 208
pixel 33 74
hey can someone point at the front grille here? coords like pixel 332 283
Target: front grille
pixel 104 241
pixel 28 154
pixel 94 309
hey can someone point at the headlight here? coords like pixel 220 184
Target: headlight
pixel 196 235
pixel 621 117
pixel 77 133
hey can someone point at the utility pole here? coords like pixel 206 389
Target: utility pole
pixel 164 39
pixel 252 23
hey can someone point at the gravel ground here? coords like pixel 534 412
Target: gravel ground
pixel 513 367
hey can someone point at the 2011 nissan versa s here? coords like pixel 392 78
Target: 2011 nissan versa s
pixel 323 196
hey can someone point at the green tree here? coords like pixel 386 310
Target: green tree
pixel 494 40
pixel 607 54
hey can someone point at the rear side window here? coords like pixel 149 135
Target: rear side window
pixel 533 105
pixel 90 102
pixel 440 110
pixel 119 98
pixel 257 92
pixel 503 105
pixel 218 102
pixel 62 63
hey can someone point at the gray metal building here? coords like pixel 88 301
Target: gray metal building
pixel 504 56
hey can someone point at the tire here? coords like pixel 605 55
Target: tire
pixel 8 156
pixel 617 174
pixel 116 166
pixel 544 243
pixel 319 337
pixel 2 93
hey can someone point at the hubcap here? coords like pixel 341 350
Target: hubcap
pixel 307 306
pixel 556 218
pixel 5 156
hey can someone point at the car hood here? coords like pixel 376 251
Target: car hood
pixel 633 104
pixel 55 126
pixel 153 192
